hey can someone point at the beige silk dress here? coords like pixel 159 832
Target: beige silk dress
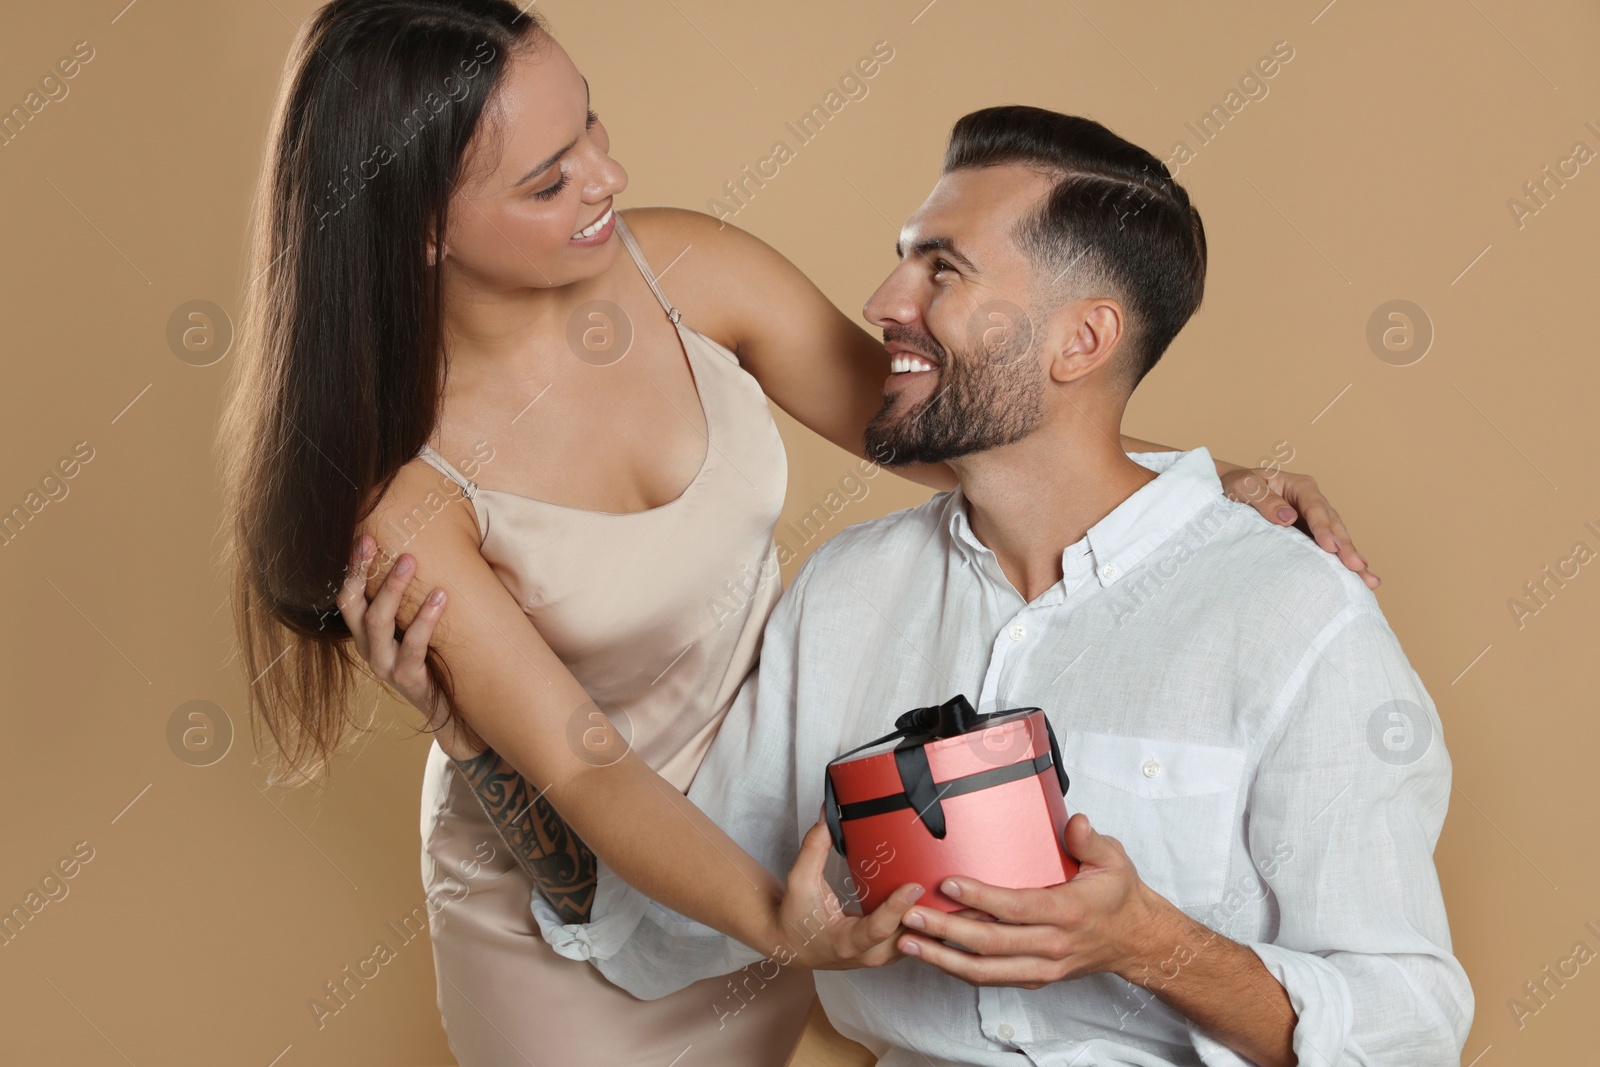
pixel 658 614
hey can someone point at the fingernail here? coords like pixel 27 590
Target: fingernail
pixel 404 566
pixel 1286 514
pixel 1336 545
pixel 910 947
pixel 951 890
pixel 436 597
pixel 915 892
pixel 915 920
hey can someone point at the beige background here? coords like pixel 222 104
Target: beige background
pixel 1378 167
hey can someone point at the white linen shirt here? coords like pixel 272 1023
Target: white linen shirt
pixel 1231 705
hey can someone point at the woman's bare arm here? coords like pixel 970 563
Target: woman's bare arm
pixel 561 867
pixel 828 372
pixel 526 706
pixel 812 361
pixel 557 862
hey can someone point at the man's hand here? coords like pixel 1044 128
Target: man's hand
pixel 1107 920
pixel 813 929
pixel 1104 919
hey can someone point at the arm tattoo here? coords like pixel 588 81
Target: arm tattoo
pixel 560 865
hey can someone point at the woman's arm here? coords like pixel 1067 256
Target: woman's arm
pixel 828 372
pixel 557 862
pixel 810 359
pixel 526 706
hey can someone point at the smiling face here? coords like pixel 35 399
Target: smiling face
pixel 535 208
pixel 968 371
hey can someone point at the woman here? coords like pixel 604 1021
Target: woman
pixel 436 277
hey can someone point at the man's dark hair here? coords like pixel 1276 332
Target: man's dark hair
pixel 1115 219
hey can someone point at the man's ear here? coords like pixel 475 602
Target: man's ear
pixel 1094 329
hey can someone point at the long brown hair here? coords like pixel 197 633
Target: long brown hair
pixel 340 359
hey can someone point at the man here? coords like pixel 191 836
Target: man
pixel 1258 776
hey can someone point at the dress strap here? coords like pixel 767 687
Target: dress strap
pixel 430 456
pixel 644 268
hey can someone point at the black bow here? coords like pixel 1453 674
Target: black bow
pixel 913 730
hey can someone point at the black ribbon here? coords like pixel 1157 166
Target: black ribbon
pixel 914 729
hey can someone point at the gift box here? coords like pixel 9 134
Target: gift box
pixel 960 793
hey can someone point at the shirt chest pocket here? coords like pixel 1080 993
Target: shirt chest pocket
pixel 1171 804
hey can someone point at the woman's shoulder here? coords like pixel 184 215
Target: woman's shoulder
pixel 421 510
pixel 665 225
pixel 720 275
pixel 701 251
pixel 691 261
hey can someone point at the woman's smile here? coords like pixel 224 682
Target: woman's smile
pixel 597 232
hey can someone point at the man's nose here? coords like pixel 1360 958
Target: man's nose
pixel 895 302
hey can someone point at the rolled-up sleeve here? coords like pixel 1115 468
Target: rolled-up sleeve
pixel 745 784
pixel 1344 813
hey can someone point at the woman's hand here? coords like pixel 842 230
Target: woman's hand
pixel 1289 499
pixel 400 664
pixel 813 929
pixel 1286 499
pixel 558 863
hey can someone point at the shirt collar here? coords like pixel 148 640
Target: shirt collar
pixel 1185 482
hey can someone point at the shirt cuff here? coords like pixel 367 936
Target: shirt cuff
pixel 1324 1010
pixel 617 909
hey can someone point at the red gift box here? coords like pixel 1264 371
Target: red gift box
pixel 960 793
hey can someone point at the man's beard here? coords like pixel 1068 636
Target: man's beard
pixel 984 400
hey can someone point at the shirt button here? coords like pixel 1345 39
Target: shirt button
pixel 1151 768
pixel 1109 571
pixel 1018 632
pixel 1005 1032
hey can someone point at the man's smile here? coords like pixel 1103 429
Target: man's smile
pixel 908 365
